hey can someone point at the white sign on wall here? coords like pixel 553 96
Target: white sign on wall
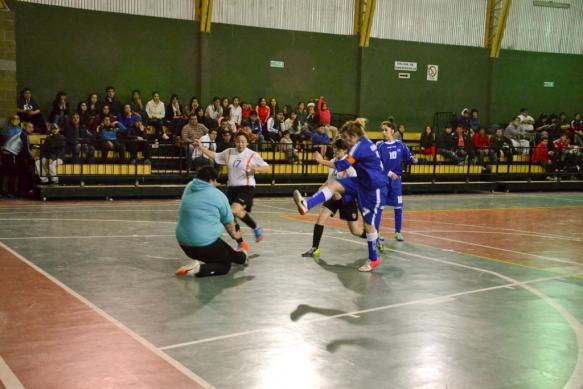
pixel 549 84
pixel 405 75
pixel 432 72
pixel 408 66
pixel 276 64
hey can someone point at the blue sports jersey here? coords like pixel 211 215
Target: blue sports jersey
pixel 393 154
pixel 365 159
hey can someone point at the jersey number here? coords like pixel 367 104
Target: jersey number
pixel 236 163
pixel 393 155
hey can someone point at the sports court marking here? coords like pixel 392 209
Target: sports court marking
pixel 535 234
pixel 177 365
pixel 7 377
pixel 84 237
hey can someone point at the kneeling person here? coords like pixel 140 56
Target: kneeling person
pixel 203 216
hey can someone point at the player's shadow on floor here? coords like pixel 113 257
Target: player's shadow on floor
pixel 364 342
pixel 304 309
pixel 207 288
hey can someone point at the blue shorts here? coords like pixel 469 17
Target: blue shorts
pixel 394 193
pixel 370 201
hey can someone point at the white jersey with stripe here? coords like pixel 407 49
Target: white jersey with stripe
pixel 334 175
pixel 240 165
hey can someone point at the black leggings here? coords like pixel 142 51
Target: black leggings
pixel 217 258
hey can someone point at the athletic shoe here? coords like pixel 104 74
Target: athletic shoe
pixel 243 247
pixel 189 270
pixel 313 252
pixel 258 234
pixel 300 202
pixel 399 237
pixel 241 250
pixel 380 245
pixel 369 265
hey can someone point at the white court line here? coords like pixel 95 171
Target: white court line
pixel 177 365
pixel 7 377
pixel 88 220
pixel 46 212
pixel 500 249
pixel 541 234
pixel 288 210
pixel 85 237
pixel 497 232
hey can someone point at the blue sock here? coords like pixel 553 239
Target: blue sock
pixel 372 245
pixel 398 219
pixel 319 197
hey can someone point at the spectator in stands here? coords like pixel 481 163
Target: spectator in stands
pixel 475 120
pixel 446 146
pixel 517 136
pixel 127 117
pixel 83 112
pixel 14 144
pixel 501 145
pixel 60 111
pixel 563 123
pixel 302 113
pixel 250 135
pixel 230 122
pixel 273 106
pixel 78 140
pixel 191 107
pixel 286 145
pixel 29 111
pixel 311 117
pixel 542 156
pixel 255 125
pixel 225 142
pixel 174 118
pixel 554 131
pixel 246 112
pixel 93 106
pixel 25 163
pixel 209 141
pixel 204 216
pixel 427 142
pixel 214 110
pixel 192 131
pixel 155 113
pixel 400 133
pixel 225 105
pixel 98 119
pixel 543 123
pixel 202 119
pixel 275 127
pixel 137 105
pixel 287 109
pixel 52 154
pixel 577 130
pixel 464 120
pixel 114 104
pixel 325 117
pixel 560 146
pixel 263 112
pixel 462 143
pixel 526 124
pixel 481 146
pixel 137 140
pixel 292 124
pixel 320 140
pixel 109 141
pixel 236 111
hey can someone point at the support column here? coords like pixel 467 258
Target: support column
pixel 7 64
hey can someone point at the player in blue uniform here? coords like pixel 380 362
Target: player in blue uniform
pixel 393 154
pixel 369 186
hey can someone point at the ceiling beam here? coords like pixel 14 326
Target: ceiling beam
pixel 500 28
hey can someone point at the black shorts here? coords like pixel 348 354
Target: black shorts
pixel 348 212
pixel 242 195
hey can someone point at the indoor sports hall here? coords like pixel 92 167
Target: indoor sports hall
pixel 298 194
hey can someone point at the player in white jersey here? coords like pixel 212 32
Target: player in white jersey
pixel 242 164
pixel 347 207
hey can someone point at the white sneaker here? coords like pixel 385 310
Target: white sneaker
pixel 189 270
pixel 44 180
pixel 300 202
pixel 165 137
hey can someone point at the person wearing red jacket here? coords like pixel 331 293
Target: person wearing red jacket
pixel 263 112
pixel 543 157
pixel 481 146
pixel 325 116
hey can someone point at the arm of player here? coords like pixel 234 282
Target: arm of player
pixel 232 231
pixel 318 158
pixel 410 158
pixel 209 153
pixel 344 164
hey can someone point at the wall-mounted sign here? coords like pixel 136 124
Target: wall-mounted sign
pixel 432 72
pixel 549 84
pixel 405 75
pixel 277 64
pixel 407 66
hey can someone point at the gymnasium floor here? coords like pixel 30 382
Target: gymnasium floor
pixel 486 292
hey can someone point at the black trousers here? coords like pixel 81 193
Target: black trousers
pixel 216 257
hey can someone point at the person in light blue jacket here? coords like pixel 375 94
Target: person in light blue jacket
pixel 203 216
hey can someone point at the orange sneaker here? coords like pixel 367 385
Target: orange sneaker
pixel 189 270
pixel 243 246
pixel 369 265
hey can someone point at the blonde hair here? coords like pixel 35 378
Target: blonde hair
pixel 352 127
pixel 362 121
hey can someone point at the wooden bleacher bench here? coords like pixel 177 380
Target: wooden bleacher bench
pixel 70 169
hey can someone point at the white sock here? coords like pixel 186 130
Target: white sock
pixel 372 237
pixel 327 193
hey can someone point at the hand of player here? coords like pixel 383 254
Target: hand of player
pixel 415 161
pixel 393 176
pixel 237 235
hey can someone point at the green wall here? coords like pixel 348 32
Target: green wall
pixel 82 51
